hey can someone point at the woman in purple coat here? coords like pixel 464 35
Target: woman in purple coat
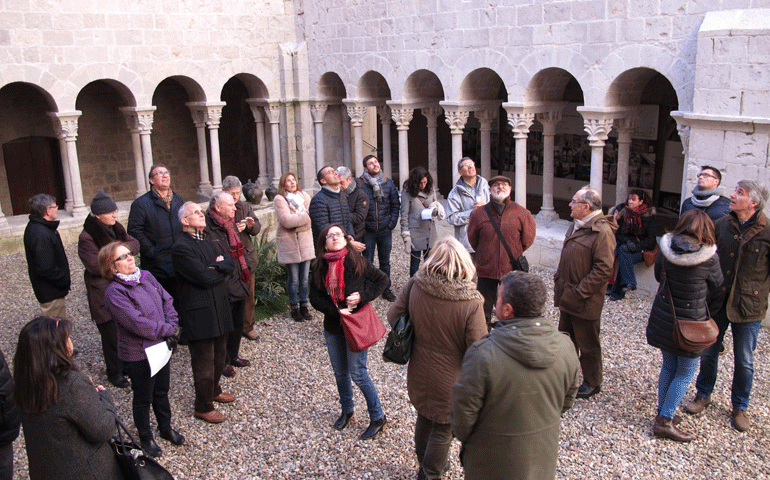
pixel 144 315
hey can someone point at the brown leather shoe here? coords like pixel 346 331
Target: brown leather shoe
pixel 664 428
pixel 251 335
pixel 225 397
pixel 211 417
pixel 240 362
pixel 740 420
pixel 228 371
pixel 696 405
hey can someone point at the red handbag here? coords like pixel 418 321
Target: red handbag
pixel 363 328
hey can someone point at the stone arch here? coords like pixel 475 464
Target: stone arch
pixel 482 84
pixel 373 87
pixel 125 80
pixel 331 66
pixel 330 88
pixel 192 87
pixel 477 60
pixel 366 70
pixel 547 61
pixel 628 88
pixel 422 86
pixel 549 85
pixel 255 87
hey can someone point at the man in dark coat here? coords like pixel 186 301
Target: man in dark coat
pixel 705 195
pixel 49 270
pixel 153 221
pixel 743 246
pixel 357 199
pixel 384 208
pixel 204 311
pixel 330 205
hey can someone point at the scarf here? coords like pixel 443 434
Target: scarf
pixel 351 187
pixel 704 198
pixel 376 183
pixel 236 246
pixel 296 202
pixel 632 221
pixel 101 233
pixel 134 277
pixel 167 199
pixel 335 276
pixel 585 221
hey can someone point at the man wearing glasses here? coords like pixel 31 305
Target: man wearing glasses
pixel 49 270
pixel 469 192
pixel 705 195
pixel 153 221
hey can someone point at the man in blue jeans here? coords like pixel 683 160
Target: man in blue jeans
pixel 743 246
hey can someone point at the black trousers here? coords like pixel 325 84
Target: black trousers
pixel 149 391
pixel 487 287
pixel 112 363
pixel 207 358
pixel 234 337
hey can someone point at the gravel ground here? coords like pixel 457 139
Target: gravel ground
pixel 280 426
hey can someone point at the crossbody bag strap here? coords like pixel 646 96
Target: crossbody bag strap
pixel 408 293
pixel 668 289
pixel 493 221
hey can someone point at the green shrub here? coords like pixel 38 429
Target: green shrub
pixel 269 281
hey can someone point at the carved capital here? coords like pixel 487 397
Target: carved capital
pixel 384 113
pixel 402 117
pixel 318 110
pixel 456 121
pixel 684 135
pixel 65 125
pixel 625 127
pixel 485 118
pixel 213 115
pixel 549 120
pixel 431 115
pixel 520 121
pixel 273 112
pixel 597 129
pixel 357 114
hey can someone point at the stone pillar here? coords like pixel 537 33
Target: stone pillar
pixel 387 157
pixel 402 117
pixel 132 122
pixel 549 121
pixel 520 121
pixel 357 114
pixel 625 128
pixel 346 145
pixel 66 126
pixel 318 110
pixel 431 115
pixel 66 169
pixel 257 111
pixel 199 116
pixel 213 116
pixel 598 129
pixel 144 120
pixel 273 113
pixel 456 120
pixel 485 118
pixel 3 220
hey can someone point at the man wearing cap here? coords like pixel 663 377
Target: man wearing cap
pixel 469 192
pixel 516 230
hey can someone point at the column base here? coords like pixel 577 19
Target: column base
pixel 79 211
pixel 68 205
pixel 204 193
pixel 547 215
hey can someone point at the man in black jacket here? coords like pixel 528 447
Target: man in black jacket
pixel 330 205
pixel 49 270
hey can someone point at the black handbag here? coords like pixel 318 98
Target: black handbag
pixel 398 346
pixel 520 263
pixel 134 462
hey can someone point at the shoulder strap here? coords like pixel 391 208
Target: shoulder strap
pixel 493 221
pixel 668 288
pixel 408 292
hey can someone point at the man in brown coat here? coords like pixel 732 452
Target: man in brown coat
pixel 581 279
pixel 518 228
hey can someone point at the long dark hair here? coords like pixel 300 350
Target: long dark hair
pixel 41 361
pixel 412 184
pixel 696 223
pixel 320 265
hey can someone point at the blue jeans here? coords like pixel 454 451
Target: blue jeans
pixel 675 376
pixel 626 273
pixel 383 240
pixel 414 260
pixel 348 366
pixel 744 343
pixel 296 280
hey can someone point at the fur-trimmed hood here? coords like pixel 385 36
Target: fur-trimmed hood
pixel 684 250
pixel 446 289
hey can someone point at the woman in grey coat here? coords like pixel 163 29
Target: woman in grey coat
pixel 418 234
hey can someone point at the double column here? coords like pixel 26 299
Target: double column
pixel 597 124
pixel 431 115
pixel 520 120
pixel 402 116
pixel 548 120
pixel 66 128
pixel 456 117
pixel 208 115
pixel 139 122
pixel 257 111
pixel 318 110
pixel 357 113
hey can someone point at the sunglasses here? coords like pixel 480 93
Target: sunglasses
pixel 123 257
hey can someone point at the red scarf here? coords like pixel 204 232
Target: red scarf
pixel 236 246
pixel 335 276
pixel 632 223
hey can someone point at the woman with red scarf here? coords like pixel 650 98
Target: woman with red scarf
pixel 343 278
pixel 635 236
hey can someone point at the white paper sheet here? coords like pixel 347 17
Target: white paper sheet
pixel 427 214
pixel 158 355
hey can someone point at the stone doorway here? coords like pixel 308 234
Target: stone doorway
pixel 33 165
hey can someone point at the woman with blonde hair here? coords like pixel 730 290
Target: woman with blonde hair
pixel 448 316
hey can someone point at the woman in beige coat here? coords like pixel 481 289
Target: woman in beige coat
pixel 448 316
pixel 294 242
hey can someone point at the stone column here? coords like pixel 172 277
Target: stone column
pixel 132 122
pixel 549 121
pixel 213 113
pixel 257 111
pixel 66 126
pixel 598 129
pixel 144 120
pixel 318 110
pixel 387 158
pixel 520 121
pixel 625 128
pixel 273 113
pixel 66 169
pixel 485 118
pixel 357 114
pixel 402 117
pixel 456 120
pixel 346 145
pixel 199 116
pixel 431 115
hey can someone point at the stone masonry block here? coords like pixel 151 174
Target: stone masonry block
pixel 759 48
pixel 529 14
pixel 587 11
pixel 469 20
pixel 446 21
pixel 672 7
pixel 657 28
pixel 755 103
pixel 716 76
pixel 702 6
pixel 745 149
pixel 706 145
pixel 601 32
pixel 520 36
pixel 557 12
pixel 31 55
pixel 732 49
pixel 127 37
pixel 57 37
pixel 617 8
pixel 750 76
pixel 631 30
pixel 5 37
pixel 505 15
pixel 36 20
pixel 596 53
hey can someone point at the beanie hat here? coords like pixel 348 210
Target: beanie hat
pixel 102 203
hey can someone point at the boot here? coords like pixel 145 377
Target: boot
pixel 664 428
pixel 296 315
pixel 303 310
pixel 697 405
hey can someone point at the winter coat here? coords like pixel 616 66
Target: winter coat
pixel 157 228
pixel 243 210
pixel 518 227
pixel 694 277
pixel 327 207
pixel 10 418
pixel 382 215
pixel 506 408
pixel 448 316
pixel 358 201
pixel 237 288
pixel 411 221
pixel 143 313
pixel 461 201
pixel 294 236
pixel 369 285
pixel 744 254
pixel 49 270
pixel 204 308
pixel 94 236
pixel 585 267
pixel 71 440
pixel 715 211
pixel 642 243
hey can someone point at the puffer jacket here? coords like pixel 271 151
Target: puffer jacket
pixel 157 228
pixel 327 207
pixel 382 215
pixel 744 254
pixel 693 275
pixel 293 237
pixel 460 202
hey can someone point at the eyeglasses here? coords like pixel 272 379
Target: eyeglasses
pixel 236 195
pixel 123 257
pixel 704 174
pixel 468 165
pixel 334 235
pixel 162 174
pixel 575 202
pixel 194 212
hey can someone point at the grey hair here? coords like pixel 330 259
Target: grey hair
pixel 344 172
pixel 757 192
pixel 460 162
pixel 231 181
pixel 40 203
pixel 217 198
pixel 525 292
pixel 183 210
pixel 591 197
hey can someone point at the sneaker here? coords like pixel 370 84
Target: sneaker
pixel 696 405
pixel 740 421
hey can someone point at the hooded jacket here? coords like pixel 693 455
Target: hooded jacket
pixel 507 406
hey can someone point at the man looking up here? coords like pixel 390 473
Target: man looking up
pixel 357 199
pixel 330 205
pixel 469 192
pixel 705 195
